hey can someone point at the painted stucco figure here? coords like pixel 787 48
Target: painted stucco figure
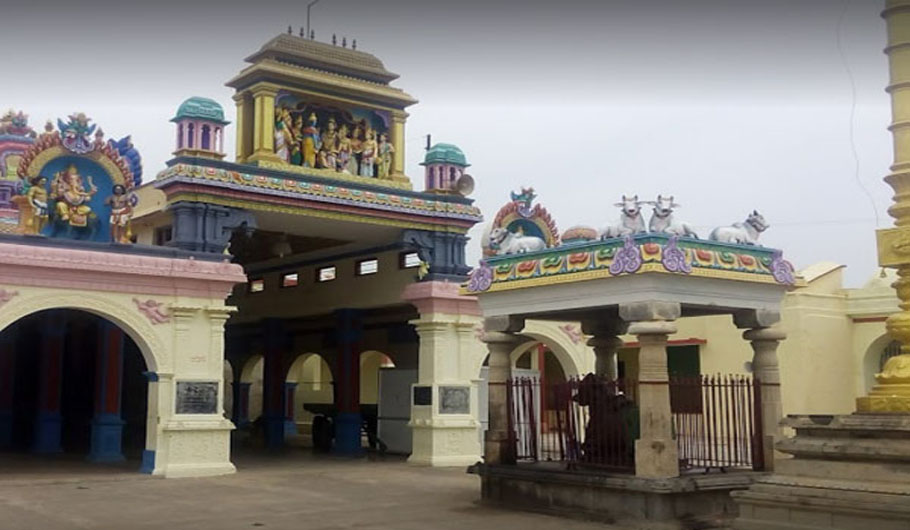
pixel 630 222
pixel 311 141
pixel 502 241
pixel 76 133
pixel 745 233
pixel 663 221
pixel 368 154
pixel 121 214
pixel 69 190
pixel 386 150
pixel 37 200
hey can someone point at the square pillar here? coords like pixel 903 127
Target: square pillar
pixel 290 426
pixel 348 422
pixel 48 422
pixel 273 407
pixel 107 424
pixel 241 412
pixel 397 138
pixel 656 452
pixel 445 422
pixel 263 125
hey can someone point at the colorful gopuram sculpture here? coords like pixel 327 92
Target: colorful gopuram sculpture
pixel 15 138
pixel 61 179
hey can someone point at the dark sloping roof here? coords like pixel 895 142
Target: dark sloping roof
pixel 321 56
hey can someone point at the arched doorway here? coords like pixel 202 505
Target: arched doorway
pixel 310 392
pixel 75 383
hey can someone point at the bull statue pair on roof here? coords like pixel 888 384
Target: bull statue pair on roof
pixel 631 222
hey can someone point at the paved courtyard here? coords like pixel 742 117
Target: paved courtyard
pixel 288 492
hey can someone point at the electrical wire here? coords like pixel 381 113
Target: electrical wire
pixel 843 57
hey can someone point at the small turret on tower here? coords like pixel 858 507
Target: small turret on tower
pixel 445 165
pixel 200 128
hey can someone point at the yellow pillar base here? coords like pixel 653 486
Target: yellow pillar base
pixel 892 393
pixel 265 156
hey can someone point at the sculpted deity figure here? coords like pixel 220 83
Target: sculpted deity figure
pixel 357 139
pixel 329 151
pixel 368 152
pixel 344 150
pixel 37 199
pixel 295 138
pixel 121 214
pixel 385 155
pixel 72 196
pixel 281 135
pixel 311 142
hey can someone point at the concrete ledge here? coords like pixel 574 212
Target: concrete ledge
pixel 701 501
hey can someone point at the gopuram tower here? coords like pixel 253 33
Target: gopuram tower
pixel 853 471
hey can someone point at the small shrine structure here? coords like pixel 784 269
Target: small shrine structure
pixel 628 446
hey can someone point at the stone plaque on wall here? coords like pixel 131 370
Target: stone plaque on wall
pixel 197 397
pixel 454 400
pixel 423 395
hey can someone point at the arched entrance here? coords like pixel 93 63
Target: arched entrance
pixel 72 382
pixel 310 392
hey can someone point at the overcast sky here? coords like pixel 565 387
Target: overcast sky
pixel 729 105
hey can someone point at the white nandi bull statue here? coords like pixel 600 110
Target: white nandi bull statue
pixel 663 222
pixel 630 222
pixel 504 242
pixel 745 233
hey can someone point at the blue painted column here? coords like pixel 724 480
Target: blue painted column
pixel 349 333
pixel 48 421
pixel 107 424
pixel 7 385
pixel 290 426
pixel 273 407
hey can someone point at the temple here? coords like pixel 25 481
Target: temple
pixel 276 294
pixel 303 293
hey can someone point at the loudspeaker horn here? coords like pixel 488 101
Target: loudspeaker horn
pixel 464 185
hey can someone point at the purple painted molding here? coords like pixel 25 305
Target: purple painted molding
pixel 781 269
pixel 481 278
pixel 628 259
pixel 673 258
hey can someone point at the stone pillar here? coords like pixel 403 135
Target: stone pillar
pixel 273 378
pixel 605 341
pixel 398 141
pixel 263 125
pixel 656 452
pixel 499 334
pixel 348 334
pixel 7 384
pixel 764 340
pixel 50 377
pixel 107 425
pixel 290 426
pixel 444 421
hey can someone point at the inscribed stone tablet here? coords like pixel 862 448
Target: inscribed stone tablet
pixel 194 397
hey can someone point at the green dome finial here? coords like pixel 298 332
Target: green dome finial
pixel 445 154
pixel 199 108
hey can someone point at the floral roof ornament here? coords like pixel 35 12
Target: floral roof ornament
pixel 76 133
pixel 16 124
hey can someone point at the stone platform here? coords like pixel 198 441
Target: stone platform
pixel 847 472
pixel 686 502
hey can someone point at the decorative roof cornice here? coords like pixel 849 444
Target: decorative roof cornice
pixel 641 254
pixel 368 202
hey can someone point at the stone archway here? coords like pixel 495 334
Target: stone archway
pixel 74 381
pixel 150 343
